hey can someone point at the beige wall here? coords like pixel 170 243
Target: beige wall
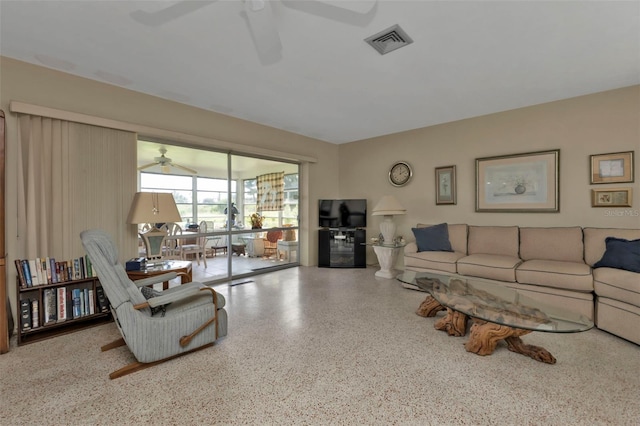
pixel 579 127
pixel 31 84
pixel 594 124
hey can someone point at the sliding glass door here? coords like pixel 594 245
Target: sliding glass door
pixel 247 207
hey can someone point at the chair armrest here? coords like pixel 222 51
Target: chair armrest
pixel 156 279
pixel 175 294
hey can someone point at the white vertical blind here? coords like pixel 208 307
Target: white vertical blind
pixel 74 177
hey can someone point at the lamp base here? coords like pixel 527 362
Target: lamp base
pixel 388 229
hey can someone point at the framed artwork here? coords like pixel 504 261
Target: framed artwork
pixel 525 183
pixel 611 197
pixel 616 167
pixel 446 185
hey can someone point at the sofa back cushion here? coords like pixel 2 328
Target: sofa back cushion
pixel 457 236
pixel 564 244
pixel 594 241
pixel 493 240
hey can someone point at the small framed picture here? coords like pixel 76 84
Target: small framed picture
pixel 616 167
pixel 611 197
pixel 446 185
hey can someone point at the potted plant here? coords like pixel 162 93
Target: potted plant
pixel 256 221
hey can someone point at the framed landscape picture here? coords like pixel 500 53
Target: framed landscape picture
pixel 526 182
pixel 616 167
pixel 611 197
pixel 446 185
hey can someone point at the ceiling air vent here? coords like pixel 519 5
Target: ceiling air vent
pixel 389 40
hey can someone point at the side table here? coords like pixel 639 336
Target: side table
pixel 287 247
pixel 163 267
pixel 387 255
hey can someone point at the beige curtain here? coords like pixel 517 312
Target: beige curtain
pixel 73 177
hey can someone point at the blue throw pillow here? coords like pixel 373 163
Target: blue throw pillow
pixel 433 238
pixel 620 254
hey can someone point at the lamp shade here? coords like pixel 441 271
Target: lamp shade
pixel 153 207
pixel 388 206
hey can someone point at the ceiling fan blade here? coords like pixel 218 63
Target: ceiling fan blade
pixel 186 169
pixel 146 166
pixel 262 27
pixel 154 19
pixel 358 13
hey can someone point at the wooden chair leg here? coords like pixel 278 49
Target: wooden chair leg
pixel 137 366
pixel 115 344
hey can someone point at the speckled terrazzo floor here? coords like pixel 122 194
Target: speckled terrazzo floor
pixel 325 346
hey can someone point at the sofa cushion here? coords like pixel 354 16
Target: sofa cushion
pixel 500 240
pixel 618 318
pixel 562 243
pixel 620 254
pixel 563 300
pixel 432 260
pixel 432 238
pixel 491 266
pixel 551 273
pixel 617 284
pixel 457 235
pixel 594 241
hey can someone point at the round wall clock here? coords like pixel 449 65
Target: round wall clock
pixel 400 173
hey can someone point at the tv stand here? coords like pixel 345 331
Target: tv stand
pixel 342 248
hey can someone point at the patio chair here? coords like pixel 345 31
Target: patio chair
pixel 197 248
pixel 271 242
pixel 155 326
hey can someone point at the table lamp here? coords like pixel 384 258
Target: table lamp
pixel 153 208
pixel 387 207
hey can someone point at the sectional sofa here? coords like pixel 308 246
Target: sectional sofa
pixel 592 271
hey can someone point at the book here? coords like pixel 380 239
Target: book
pixel 103 303
pixel 38 268
pixel 20 270
pixel 82 305
pixel 34 272
pixel 27 272
pixel 46 265
pixel 25 314
pixel 62 303
pixel 54 270
pixel 90 271
pixel 76 303
pixel 35 314
pixel 83 268
pixel 69 303
pixel 92 303
pixel 76 269
pixel 50 306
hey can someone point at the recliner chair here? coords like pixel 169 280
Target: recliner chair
pixel 171 323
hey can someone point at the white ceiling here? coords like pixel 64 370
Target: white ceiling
pixel 469 58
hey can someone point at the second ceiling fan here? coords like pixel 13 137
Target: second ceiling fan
pixel 166 163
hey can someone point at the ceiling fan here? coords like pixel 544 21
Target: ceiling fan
pixel 165 164
pixel 261 23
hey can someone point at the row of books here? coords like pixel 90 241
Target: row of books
pixel 61 304
pixel 42 271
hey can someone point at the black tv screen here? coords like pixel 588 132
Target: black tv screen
pixel 342 213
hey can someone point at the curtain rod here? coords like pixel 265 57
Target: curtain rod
pixel 25 108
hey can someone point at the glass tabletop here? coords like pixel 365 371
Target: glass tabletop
pixel 395 245
pixel 497 303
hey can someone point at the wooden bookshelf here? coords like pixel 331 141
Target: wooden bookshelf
pixel 4 314
pixel 45 330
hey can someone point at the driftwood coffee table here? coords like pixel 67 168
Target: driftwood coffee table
pixel 497 313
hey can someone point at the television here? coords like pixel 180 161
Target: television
pixel 351 213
